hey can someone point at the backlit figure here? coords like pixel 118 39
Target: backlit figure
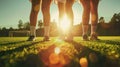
pixel 36 5
pixel 65 8
pixel 90 7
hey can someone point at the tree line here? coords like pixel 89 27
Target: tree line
pixel 111 28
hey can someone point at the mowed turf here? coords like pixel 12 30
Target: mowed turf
pixel 17 52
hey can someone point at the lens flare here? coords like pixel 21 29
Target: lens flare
pixel 57 50
pixel 83 62
pixel 65 23
pixel 54 58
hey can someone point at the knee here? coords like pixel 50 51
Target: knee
pixel 36 8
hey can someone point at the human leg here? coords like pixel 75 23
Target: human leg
pixel 46 18
pixel 94 18
pixel 69 13
pixel 61 9
pixel 85 17
pixel 33 18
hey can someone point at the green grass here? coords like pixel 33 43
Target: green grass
pixel 17 52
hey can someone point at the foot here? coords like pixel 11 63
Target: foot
pixel 31 38
pixel 85 37
pixel 69 37
pixel 46 38
pixel 94 37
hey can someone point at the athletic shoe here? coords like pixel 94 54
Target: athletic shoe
pixel 94 37
pixel 46 38
pixel 85 37
pixel 31 38
pixel 69 37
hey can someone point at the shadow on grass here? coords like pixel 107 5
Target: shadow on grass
pixel 110 42
pixel 32 60
pixel 2 53
pixel 9 43
pixel 94 58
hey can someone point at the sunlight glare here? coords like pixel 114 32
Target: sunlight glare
pixel 83 62
pixel 65 23
pixel 57 50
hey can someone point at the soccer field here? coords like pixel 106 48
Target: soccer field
pixel 17 52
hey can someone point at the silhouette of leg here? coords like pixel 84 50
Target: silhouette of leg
pixel 61 9
pixel 33 18
pixel 94 18
pixel 85 17
pixel 69 13
pixel 46 18
pixel 94 15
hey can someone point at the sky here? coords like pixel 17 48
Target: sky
pixel 11 11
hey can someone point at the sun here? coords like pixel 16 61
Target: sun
pixel 64 23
